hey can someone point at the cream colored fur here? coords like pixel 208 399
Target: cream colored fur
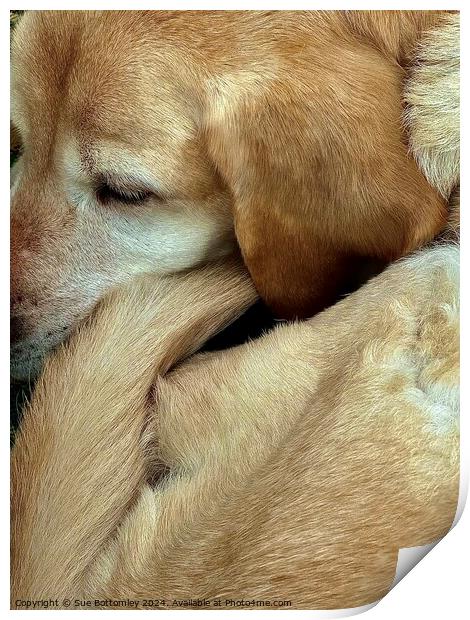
pixel 433 97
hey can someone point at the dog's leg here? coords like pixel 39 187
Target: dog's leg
pixel 302 462
pixel 78 462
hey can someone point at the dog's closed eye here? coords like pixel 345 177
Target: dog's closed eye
pixel 106 193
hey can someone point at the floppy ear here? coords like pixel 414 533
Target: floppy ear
pixel 320 176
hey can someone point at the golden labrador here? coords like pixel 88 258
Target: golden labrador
pixel 285 472
pixel 153 141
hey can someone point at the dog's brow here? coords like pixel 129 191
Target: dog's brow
pixel 87 161
pixel 126 179
pixel 116 166
pixel 122 168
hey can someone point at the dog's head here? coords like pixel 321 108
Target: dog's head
pixel 113 180
pixel 153 141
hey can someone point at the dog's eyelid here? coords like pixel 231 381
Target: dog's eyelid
pixel 121 183
pixel 128 189
pixel 107 194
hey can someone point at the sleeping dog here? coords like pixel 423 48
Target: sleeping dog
pixel 290 469
pixel 154 142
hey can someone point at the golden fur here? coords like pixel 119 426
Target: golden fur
pixel 284 122
pixel 433 98
pixel 293 467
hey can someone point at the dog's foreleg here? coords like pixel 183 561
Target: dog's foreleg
pixel 78 462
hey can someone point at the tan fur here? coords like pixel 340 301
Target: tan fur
pixel 296 466
pixel 433 97
pixel 293 467
pixel 167 319
pixel 287 123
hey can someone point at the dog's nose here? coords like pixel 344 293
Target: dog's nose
pixel 16 329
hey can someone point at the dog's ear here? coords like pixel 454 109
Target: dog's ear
pixel 320 175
